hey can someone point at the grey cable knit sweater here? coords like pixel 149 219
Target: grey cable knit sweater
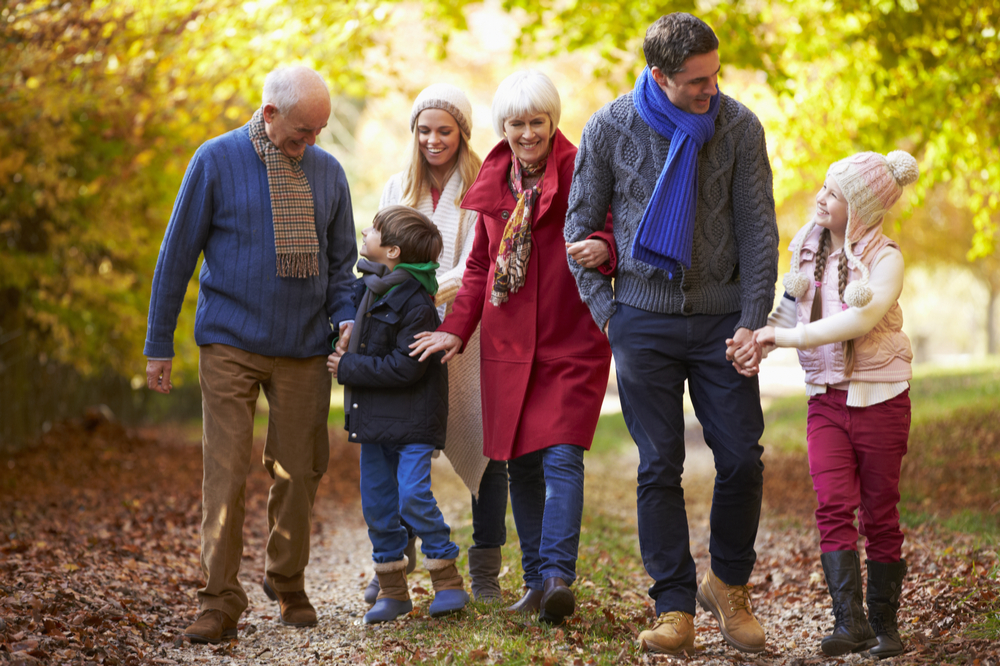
pixel 734 258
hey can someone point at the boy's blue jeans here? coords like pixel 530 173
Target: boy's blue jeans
pixel 395 485
pixel 546 494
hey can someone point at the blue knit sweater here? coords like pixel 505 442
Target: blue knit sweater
pixel 224 210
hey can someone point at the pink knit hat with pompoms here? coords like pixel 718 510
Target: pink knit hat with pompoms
pixel 871 183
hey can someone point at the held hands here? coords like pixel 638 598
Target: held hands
pixel 429 342
pixel 158 375
pixel 743 350
pixel 589 253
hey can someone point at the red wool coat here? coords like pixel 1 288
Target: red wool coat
pixel 544 362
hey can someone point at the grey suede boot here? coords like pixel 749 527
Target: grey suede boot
pixel 484 568
pixel 851 631
pixel 885 583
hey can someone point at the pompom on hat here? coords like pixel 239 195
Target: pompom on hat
pixel 871 183
pixel 448 98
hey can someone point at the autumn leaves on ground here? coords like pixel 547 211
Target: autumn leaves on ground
pixel 99 560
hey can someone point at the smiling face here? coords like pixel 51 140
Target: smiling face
pixel 297 128
pixel 439 138
pixel 528 136
pixel 831 208
pixel 692 88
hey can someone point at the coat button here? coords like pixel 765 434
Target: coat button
pixel 354 435
pixel 362 346
pixel 685 287
pixel 505 214
pixel 368 314
pixel 688 308
pixel 355 406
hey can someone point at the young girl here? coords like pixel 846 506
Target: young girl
pixel 840 310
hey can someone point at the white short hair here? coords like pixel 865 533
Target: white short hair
pixel 525 92
pixel 285 86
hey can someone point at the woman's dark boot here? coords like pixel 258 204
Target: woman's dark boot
pixel 885 583
pixel 851 631
pixel 484 570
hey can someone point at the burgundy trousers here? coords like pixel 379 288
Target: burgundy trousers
pixel 854 458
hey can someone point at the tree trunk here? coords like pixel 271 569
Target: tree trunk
pixel 991 321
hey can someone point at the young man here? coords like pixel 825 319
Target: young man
pixel 397 408
pixel 697 264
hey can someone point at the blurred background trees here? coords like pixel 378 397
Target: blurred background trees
pixel 103 102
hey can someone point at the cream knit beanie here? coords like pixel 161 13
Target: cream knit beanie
pixel 448 98
pixel 871 183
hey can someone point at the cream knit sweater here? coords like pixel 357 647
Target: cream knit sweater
pixel 464 444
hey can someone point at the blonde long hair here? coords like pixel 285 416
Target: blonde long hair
pixel 417 175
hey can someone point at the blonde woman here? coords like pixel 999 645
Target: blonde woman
pixel 441 168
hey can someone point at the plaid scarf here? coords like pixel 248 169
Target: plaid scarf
pixel 515 245
pixel 291 206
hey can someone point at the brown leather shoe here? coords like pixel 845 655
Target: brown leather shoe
pixel 529 604
pixel 731 607
pixel 294 607
pixel 212 626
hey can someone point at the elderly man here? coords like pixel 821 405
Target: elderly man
pixel 272 214
pixel 684 169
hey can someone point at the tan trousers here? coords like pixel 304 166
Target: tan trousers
pixel 296 455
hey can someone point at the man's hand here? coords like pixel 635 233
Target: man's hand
pixel 333 362
pixel 589 253
pixel 346 329
pixel 429 342
pixel 158 375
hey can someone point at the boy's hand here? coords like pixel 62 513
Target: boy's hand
pixel 333 362
pixel 429 342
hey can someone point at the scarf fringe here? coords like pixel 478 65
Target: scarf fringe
pixel 298 265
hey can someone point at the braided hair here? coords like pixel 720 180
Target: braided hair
pixel 817 305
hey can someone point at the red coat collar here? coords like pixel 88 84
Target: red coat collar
pixel 490 194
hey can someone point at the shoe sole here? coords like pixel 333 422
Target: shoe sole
pixel 653 647
pixel 745 648
pixel 200 639
pixel 406 610
pixel 841 647
pixel 274 598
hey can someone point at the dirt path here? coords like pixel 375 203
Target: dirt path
pixel 99 561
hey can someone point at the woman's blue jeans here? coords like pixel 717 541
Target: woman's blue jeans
pixel 546 494
pixel 396 487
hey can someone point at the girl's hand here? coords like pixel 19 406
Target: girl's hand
pixel 764 336
pixel 589 253
pixel 429 342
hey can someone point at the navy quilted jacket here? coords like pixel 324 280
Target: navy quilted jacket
pixel 396 400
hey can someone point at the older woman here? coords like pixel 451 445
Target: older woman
pixel 544 362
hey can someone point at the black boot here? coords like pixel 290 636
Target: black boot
pixel 885 583
pixel 851 631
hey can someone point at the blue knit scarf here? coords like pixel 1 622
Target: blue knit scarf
pixel 666 231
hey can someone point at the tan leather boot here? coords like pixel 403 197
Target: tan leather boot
pixel 731 607
pixel 449 592
pixel 672 633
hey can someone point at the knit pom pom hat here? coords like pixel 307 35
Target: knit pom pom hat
pixel 871 183
pixel 448 98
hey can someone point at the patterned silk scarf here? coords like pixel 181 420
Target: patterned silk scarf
pixel 515 245
pixel 291 206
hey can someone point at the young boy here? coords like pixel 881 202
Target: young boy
pixel 397 408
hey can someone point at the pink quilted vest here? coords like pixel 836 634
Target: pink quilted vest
pixel 881 355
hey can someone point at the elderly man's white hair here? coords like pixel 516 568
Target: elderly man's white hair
pixel 285 86
pixel 525 92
